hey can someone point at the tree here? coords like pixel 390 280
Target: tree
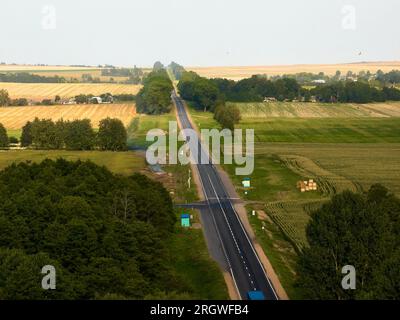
pixel 26 136
pixel 112 135
pixel 227 116
pixel 158 66
pixel 46 134
pixel 47 102
pixel 358 230
pixel 81 99
pixel 4 98
pixel 19 102
pixel 79 135
pixel 155 96
pixel 177 70
pixel 201 91
pixel 13 140
pixel 3 137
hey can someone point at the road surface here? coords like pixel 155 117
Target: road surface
pixel 242 260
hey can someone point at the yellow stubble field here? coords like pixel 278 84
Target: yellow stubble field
pixel 16 117
pixel 240 72
pixel 40 91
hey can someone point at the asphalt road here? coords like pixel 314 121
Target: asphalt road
pixel 244 264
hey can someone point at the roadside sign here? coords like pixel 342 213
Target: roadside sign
pixel 185 220
pixel 246 182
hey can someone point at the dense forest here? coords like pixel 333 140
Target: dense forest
pixel 155 96
pixel 105 234
pixel 358 230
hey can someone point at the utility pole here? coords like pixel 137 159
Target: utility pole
pixel 190 178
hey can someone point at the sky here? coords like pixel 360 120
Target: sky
pixel 198 32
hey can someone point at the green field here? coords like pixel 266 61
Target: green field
pixel 317 110
pixel 324 130
pixel 125 163
pixel 14 133
pixel 339 152
pixel 139 127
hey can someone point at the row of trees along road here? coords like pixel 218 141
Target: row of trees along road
pixel 177 70
pixel 74 135
pixel 204 94
pixel 155 96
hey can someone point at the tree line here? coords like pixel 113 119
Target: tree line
pixel 135 75
pixel 379 79
pixel 357 92
pixel 391 77
pixel 106 235
pixel 359 230
pixel 177 70
pixel 71 135
pixel 155 96
pixel 207 93
pixel 24 77
pixel 5 99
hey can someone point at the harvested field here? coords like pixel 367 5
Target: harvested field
pixel 328 182
pixel 40 91
pixel 363 164
pixel 67 72
pixel 317 110
pixel 16 117
pixel 77 74
pixel 240 72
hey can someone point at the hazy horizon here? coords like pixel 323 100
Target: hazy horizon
pixel 208 33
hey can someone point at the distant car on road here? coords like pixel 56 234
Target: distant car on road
pixel 255 295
